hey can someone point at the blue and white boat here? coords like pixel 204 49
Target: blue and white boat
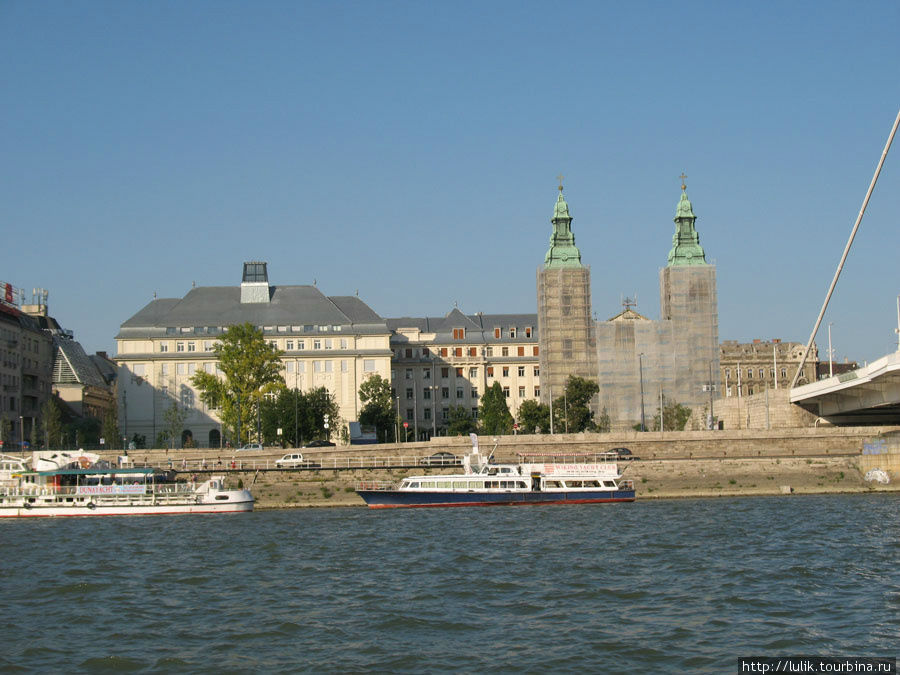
pixel 484 483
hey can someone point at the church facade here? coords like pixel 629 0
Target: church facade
pixel 635 360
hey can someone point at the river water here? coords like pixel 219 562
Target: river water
pixel 656 586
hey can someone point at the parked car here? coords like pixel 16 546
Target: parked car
pixel 624 454
pixel 440 459
pixel 254 447
pixel 319 444
pixel 294 460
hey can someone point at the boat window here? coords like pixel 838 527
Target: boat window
pixel 404 484
pixel 520 484
pixel 414 485
pixel 474 485
pixel 592 483
pixel 459 484
pixel 609 484
pixel 222 497
pixel 443 484
pixel 552 484
pixel 573 483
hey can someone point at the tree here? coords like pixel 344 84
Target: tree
pixel 110 429
pixel 534 418
pixel 173 422
pixel 52 423
pixel 251 368
pixel 494 413
pixel 572 413
pixel 377 410
pixel 675 416
pixel 603 423
pixel 460 422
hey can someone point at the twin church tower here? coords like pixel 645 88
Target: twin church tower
pixel 635 360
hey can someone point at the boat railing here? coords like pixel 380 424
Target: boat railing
pixel 159 490
pixel 380 485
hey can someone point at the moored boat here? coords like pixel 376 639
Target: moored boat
pixel 486 484
pixel 80 484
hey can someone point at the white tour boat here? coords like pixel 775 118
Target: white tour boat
pixel 487 484
pixel 81 484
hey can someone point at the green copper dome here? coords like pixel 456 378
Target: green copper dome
pixel 686 249
pixel 562 252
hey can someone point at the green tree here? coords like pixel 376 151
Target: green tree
pixel 460 422
pixel 5 431
pixel 534 418
pixel 251 368
pixel 603 423
pixel 377 410
pixel 494 413
pixel 51 420
pixel 572 413
pixel 110 430
pixel 173 423
pixel 675 416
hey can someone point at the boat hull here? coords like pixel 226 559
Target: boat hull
pixel 51 509
pixel 390 499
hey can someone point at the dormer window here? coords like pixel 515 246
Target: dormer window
pixel 459 333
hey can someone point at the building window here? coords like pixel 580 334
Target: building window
pixel 445 392
pixel 289 367
pixel 427 413
pixel 489 351
pixel 408 353
pixel 521 371
pixel 537 392
pixel 409 373
pixel 762 374
pixel 179 346
pixel 187 397
pixel 490 371
pixel 459 392
pixel 445 373
pixel 209 346
pixel 521 351
pixel 506 392
pixel 459 372
pixel 426 374
pixel 409 413
pixel 163 347
pixel 369 365
pixel 784 372
pixel 139 369
pixel 289 345
pixel 425 351
pixel 728 391
pixel 443 351
pixel 504 351
pixel 343 343
pixel 210 367
pixel 409 394
pixel 475 393
pixel 473 351
pixel 528 331
pixel 772 373
pixel 192 346
pixel 345 366
pixel 181 369
pixel 727 373
pixel 457 352
pixel 537 371
pixel 521 392
pixel 505 371
pixel 512 331
pixel 749 391
pixel 473 372
pixel 498 333
pixel 301 344
pixel 749 373
pixel 164 369
pixel 459 333
pixel 317 344
pixel 426 393
pixel 474 413
pixel 536 351
pixel 317 366
pixel 445 414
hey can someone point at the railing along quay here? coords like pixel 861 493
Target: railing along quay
pixel 204 465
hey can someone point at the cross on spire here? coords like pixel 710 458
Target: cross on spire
pixel 560 179
pixel 682 177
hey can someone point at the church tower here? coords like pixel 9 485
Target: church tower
pixel 564 309
pixel 688 298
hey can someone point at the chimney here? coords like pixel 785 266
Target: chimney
pixel 255 283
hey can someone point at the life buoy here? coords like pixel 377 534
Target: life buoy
pixel 91 505
pixel 84 462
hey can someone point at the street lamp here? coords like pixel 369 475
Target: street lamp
pixel 641 369
pixel 830 353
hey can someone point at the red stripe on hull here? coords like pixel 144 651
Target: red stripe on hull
pixel 560 502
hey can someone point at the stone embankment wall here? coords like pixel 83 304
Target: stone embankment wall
pixel 672 464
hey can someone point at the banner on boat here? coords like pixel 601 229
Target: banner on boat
pixel 110 490
pixel 579 469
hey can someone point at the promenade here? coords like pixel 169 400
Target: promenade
pixel 671 464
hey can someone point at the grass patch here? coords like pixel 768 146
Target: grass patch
pixel 326 493
pixel 732 481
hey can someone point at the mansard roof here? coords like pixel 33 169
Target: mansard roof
pixel 222 306
pixel 479 327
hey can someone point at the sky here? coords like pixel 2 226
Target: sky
pixel 409 151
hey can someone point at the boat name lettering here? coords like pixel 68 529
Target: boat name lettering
pixel 110 490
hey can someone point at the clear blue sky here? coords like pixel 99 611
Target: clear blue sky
pixel 409 150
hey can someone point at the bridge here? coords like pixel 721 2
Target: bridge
pixel 869 395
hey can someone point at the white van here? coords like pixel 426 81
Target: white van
pixel 292 460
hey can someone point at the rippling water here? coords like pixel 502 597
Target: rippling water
pixel 643 587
